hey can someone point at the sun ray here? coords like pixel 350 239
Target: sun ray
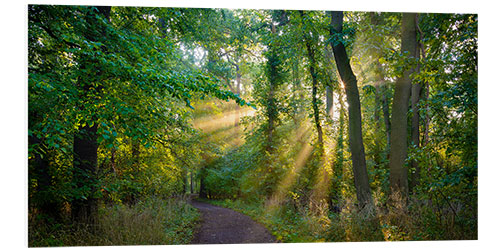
pixel 220 133
pixel 304 131
pixel 319 196
pixel 213 122
pixel 237 138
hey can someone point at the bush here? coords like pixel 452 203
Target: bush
pixel 152 221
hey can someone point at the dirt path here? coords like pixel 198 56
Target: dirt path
pixel 224 226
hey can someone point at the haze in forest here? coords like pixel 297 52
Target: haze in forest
pixel 322 126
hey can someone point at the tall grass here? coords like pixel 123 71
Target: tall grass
pixel 416 220
pixel 153 221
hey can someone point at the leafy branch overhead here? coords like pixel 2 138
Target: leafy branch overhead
pixel 321 125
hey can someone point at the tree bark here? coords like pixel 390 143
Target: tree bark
pixel 416 95
pixel 83 208
pixel 415 133
pixel 314 76
pixel 425 87
pixel 398 147
pixel 271 110
pixel 203 192
pixel 415 129
pixel 361 181
pixel 274 78
pixel 85 165
pixel 329 87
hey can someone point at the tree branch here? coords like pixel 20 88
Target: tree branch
pixel 52 34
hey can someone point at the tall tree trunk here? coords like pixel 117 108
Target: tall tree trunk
pixel 271 117
pixel 415 129
pixel 415 133
pixel 398 152
pixel 84 207
pixel 426 91
pixel 416 95
pixel 355 131
pixel 274 78
pixel 271 110
pixel 329 88
pixel 85 165
pixel 314 76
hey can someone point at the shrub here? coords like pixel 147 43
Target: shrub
pixel 152 221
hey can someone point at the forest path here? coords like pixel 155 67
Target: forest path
pixel 224 226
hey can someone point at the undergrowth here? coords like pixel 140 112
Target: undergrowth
pixel 418 221
pixel 153 221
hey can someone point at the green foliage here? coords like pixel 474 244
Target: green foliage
pixel 156 83
pixel 450 179
pixel 120 72
pixel 149 222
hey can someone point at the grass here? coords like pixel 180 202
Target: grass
pixel 153 221
pixel 302 224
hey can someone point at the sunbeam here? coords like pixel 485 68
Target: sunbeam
pixel 304 131
pixel 226 119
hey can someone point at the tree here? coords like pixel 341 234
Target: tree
pixel 274 74
pixel 381 89
pixel 354 110
pixel 130 104
pixel 85 140
pixel 313 70
pixel 96 75
pixel 398 147
pixel 416 95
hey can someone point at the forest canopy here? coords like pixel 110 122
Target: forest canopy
pixel 324 125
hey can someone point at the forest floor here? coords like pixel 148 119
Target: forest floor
pixel 224 226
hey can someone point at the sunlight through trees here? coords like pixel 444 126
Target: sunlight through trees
pixel 321 125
